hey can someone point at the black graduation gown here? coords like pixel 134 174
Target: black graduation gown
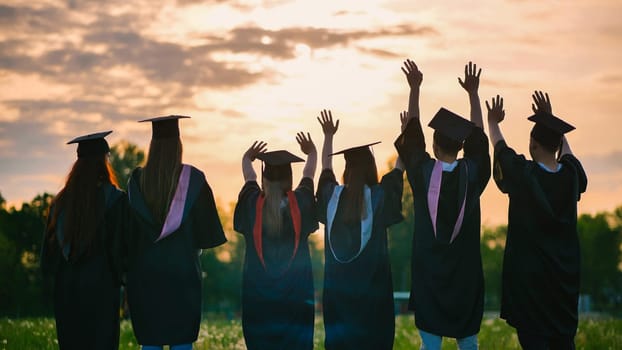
pixel 447 291
pixel 541 263
pixel 358 295
pixel 164 277
pixel 277 300
pixel 87 287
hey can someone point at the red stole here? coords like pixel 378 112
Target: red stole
pixel 295 213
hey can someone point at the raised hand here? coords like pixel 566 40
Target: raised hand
pixel 305 142
pixel 404 120
pixel 326 121
pixel 413 74
pixel 496 113
pixel 257 148
pixel 471 80
pixel 541 102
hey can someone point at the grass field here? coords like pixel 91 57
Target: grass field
pixel 220 334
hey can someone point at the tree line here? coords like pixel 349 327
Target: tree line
pixel 24 293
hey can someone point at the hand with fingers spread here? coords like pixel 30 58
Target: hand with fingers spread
pixel 542 103
pixel 413 74
pixel 326 121
pixel 496 112
pixel 305 142
pixel 404 119
pixel 471 78
pixel 257 148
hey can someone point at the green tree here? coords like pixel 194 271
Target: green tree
pixel 600 258
pixel 124 158
pixel 492 246
pixel 21 235
pixel 222 269
pixel 400 243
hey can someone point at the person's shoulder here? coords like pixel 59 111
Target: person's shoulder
pixel 196 173
pixel 135 173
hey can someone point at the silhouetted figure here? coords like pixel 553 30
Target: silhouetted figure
pixel 174 217
pixel 447 292
pixel 277 289
pixel 541 263
pixel 80 247
pixel 358 291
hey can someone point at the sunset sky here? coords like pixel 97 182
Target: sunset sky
pixel 262 70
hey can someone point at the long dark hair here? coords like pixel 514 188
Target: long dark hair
pixel 359 172
pixel 160 175
pixel 80 202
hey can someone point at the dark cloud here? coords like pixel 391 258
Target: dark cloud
pixel 30 20
pixel 282 42
pixel 33 138
pixel 239 5
pixel 162 63
pixel 379 52
pixel 49 110
pixel 110 41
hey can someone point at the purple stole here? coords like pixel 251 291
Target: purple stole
pixel 176 210
pixel 434 192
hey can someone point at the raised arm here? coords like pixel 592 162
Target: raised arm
pixel 329 129
pixel 496 114
pixel 414 78
pixel 471 85
pixel 308 147
pixel 399 164
pixel 248 158
pixel 542 102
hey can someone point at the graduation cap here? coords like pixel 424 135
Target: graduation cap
pixel 451 125
pixel 92 144
pixel 549 129
pixel 278 164
pixel 354 154
pixel 164 127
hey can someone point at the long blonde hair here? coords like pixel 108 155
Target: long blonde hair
pixel 160 175
pixel 274 192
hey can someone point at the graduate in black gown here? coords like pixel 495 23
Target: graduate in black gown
pixel 358 291
pixel 541 264
pixel 447 292
pixel 277 286
pixel 174 217
pixel 85 223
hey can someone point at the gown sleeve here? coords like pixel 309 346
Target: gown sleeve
pixel 325 188
pixel 393 186
pixel 410 145
pixel 50 254
pixel 118 227
pixel 245 208
pixel 508 167
pixel 207 229
pixel 571 160
pixel 306 204
pixel 476 149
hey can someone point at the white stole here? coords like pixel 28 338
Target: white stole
pixel 366 222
